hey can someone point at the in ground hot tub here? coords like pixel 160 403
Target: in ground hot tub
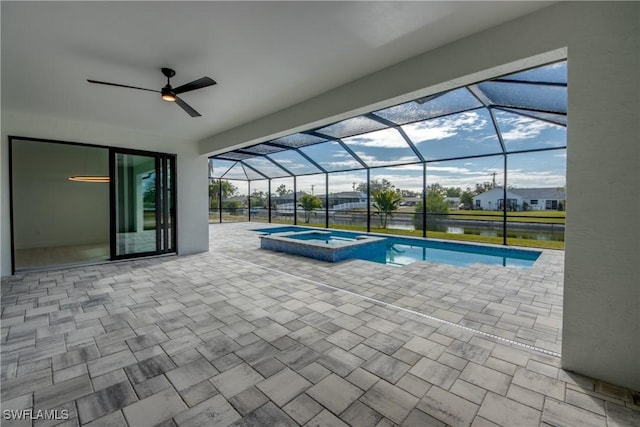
pixel 325 246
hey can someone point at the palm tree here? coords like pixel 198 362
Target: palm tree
pixel 308 203
pixel 385 202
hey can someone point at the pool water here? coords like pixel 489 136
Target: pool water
pixel 326 238
pixel 405 250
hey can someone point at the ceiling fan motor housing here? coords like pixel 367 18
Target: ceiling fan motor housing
pixel 167 93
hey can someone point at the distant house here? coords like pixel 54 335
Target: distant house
pixel 350 199
pixel 343 200
pixel 453 202
pixel 410 201
pixel 286 198
pixel 522 199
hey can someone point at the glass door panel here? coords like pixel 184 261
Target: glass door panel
pixel 144 200
pixel 169 205
pixel 136 212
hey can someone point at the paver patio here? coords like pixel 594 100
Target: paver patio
pixel 242 336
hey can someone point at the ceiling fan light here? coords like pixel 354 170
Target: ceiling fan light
pixel 168 95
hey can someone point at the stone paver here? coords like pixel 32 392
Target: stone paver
pixel 245 337
pixel 389 400
pixel 559 413
pixel 486 378
pixel 360 415
pixel 448 407
pixel 154 409
pixel 302 409
pixel 386 367
pixel 334 393
pixel 105 401
pixel 215 411
pixel 434 372
pixel 283 386
pixel 266 415
pixel 235 380
pixel 57 394
pixel 503 411
pixel 191 373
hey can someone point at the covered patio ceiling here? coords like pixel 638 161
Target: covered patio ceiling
pixel 516 113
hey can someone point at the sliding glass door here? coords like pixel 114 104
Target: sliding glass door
pixel 143 200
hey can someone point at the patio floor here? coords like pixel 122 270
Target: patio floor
pixel 247 337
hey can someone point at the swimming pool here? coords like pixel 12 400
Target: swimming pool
pixel 402 251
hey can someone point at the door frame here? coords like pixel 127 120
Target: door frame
pixel 169 212
pixel 162 160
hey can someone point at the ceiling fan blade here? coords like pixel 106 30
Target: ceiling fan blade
pixel 196 84
pixel 186 107
pixel 119 85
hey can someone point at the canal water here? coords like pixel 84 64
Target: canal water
pixel 550 232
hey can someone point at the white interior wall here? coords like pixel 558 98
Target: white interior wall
pixel 191 170
pixel 49 209
pixel 601 330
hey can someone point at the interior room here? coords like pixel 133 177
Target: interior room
pixel 123 305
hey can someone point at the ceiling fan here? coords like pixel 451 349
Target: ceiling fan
pixel 168 92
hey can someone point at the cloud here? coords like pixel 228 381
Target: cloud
pixel 284 161
pixel 522 127
pixel 530 179
pixel 386 138
pixel 445 127
pixel 343 160
pixel 414 167
pixel 345 164
pixel 382 160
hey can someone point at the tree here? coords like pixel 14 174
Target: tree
pixel 282 190
pixel 228 190
pixel 409 193
pixel 466 198
pixel 454 191
pixel 436 203
pixel 149 189
pixel 385 202
pixel 231 206
pixel 376 185
pixel 308 203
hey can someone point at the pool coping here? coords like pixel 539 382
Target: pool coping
pixel 361 246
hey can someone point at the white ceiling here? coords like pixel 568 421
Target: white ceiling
pixel 265 56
